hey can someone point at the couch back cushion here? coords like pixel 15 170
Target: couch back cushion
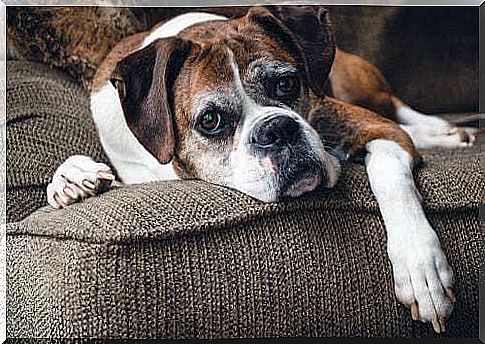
pixel 48 120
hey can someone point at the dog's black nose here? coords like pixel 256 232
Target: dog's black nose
pixel 277 130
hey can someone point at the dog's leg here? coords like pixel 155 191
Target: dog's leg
pixel 423 279
pixel 356 81
pixel 77 178
pixel 423 137
pixel 408 116
pixel 428 131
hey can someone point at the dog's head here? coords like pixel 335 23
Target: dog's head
pixel 225 101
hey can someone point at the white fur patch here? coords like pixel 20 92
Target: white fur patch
pixel 424 138
pixel 133 163
pixel 406 115
pixel 78 177
pixel 421 271
pixel 428 131
pixel 179 23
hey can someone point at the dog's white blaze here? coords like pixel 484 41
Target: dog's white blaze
pixel 254 112
pixel 251 108
pixel 250 177
pixel 131 160
pixel 419 265
pixel 179 23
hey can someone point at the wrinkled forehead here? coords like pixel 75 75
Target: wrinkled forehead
pixel 226 76
pixel 239 34
pixel 230 43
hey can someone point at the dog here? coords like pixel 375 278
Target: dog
pixel 257 103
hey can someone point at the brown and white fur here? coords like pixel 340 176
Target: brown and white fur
pixel 150 94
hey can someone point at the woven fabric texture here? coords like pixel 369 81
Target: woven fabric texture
pixel 48 120
pixel 187 259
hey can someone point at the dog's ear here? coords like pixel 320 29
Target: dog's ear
pixel 144 81
pixel 306 32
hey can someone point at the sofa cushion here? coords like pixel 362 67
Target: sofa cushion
pixel 192 260
pixel 449 181
pixel 48 120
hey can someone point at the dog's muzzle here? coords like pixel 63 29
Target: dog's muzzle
pixel 280 142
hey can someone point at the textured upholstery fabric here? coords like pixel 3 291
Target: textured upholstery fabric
pixel 48 120
pixel 187 259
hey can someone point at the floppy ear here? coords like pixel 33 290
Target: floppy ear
pixel 303 30
pixel 144 81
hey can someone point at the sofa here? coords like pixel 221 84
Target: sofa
pixel 187 259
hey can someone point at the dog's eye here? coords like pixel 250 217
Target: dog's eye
pixel 285 88
pixel 210 121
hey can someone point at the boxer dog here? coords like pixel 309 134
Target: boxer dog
pixel 257 104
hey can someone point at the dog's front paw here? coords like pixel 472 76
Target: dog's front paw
pixel 77 178
pixel 423 280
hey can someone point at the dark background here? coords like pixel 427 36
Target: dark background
pixel 428 54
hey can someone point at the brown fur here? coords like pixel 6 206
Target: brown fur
pixel 214 72
pixel 352 127
pixel 356 81
pixel 75 39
